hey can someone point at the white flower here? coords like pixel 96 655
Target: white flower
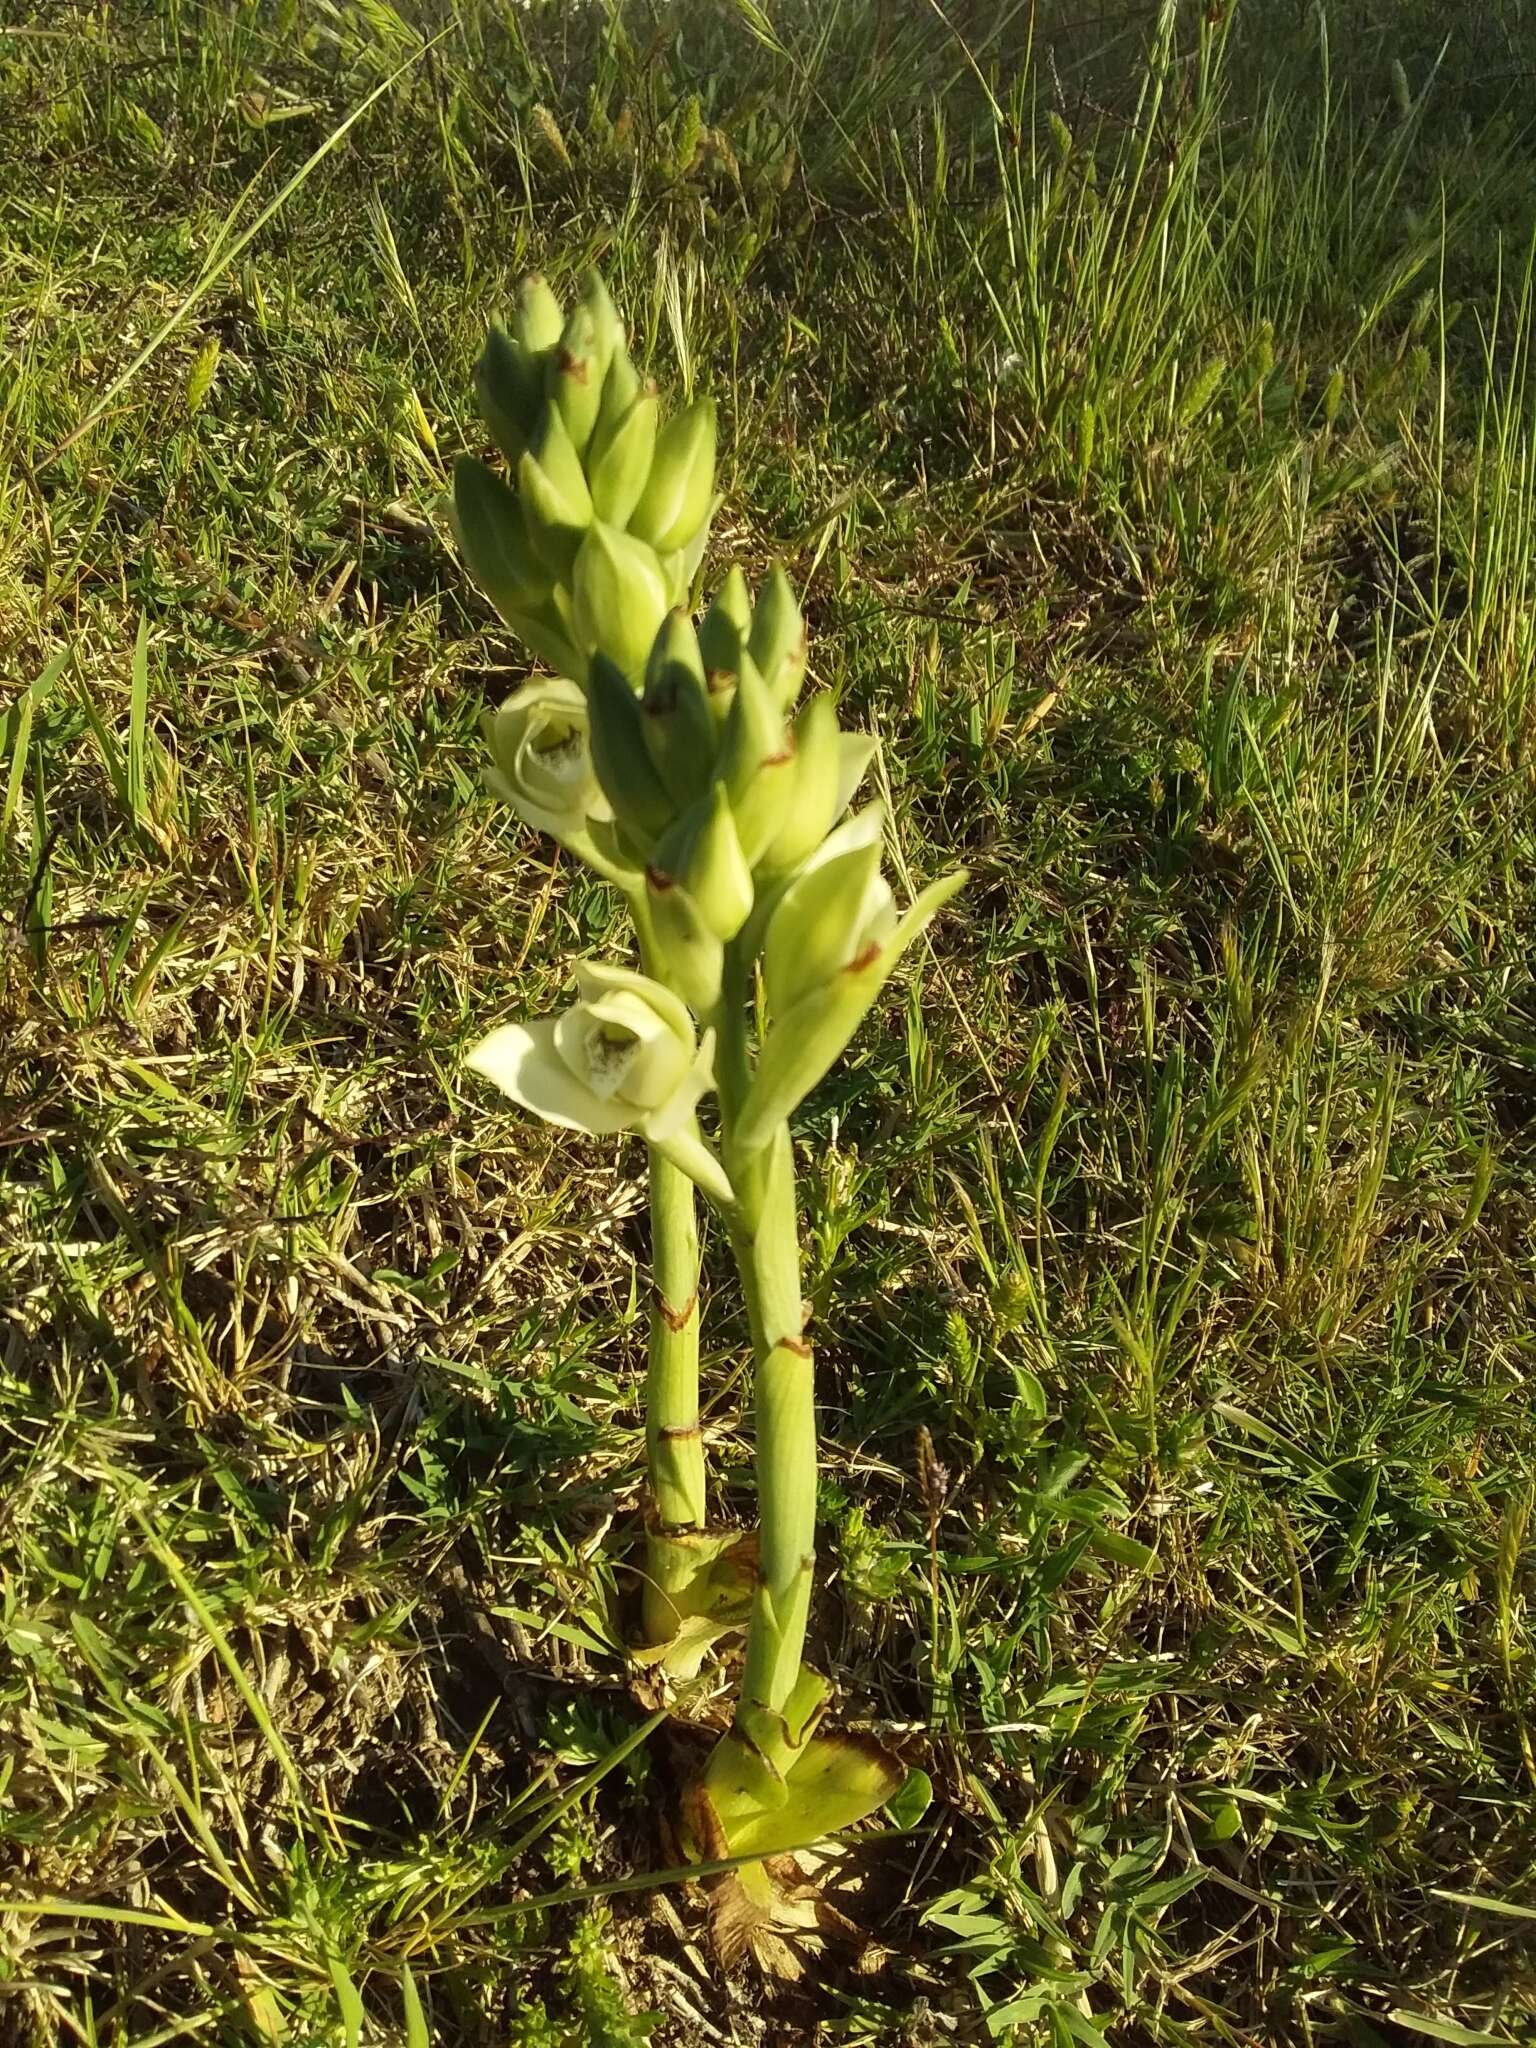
pixel 623 1058
pixel 539 737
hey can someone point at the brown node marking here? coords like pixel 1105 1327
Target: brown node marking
pixel 778 760
pixel 867 958
pixel 679 1433
pixel 718 680
pixel 797 1345
pixel 660 880
pixel 677 1318
pixel 661 701
pixel 573 366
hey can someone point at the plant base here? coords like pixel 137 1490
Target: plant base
pixel 773 1789
pixel 698 1592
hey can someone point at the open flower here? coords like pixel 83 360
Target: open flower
pixel 539 738
pixel 622 1058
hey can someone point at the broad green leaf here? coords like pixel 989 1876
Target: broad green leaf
pixel 911 1800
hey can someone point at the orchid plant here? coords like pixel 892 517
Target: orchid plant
pixel 672 759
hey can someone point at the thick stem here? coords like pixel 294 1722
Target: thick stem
pixel 674 1440
pixel 765 1240
pixel 733 1067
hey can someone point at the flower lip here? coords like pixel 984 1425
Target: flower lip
pixel 610 1052
pixel 556 744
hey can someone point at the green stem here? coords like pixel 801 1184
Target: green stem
pixel 765 1240
pixel 733 1066
pixel 674 1440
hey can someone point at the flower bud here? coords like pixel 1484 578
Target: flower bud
pixel 723 637
pixel 832 943
pixel 777 639
pixel 621 387
pixel 619 472
pixel 539 738
pixel 557 505
pixel 703 852
pixel 574 376
pixel 686 950
pixel 538 319
pixel 835 910
pixel 757 762
pixel 813 808
pixel 680 490
pixel 607 326
pixel 561 463
pixel 623 1057
pixel 680 732
pixel 618 597
pixel 509 392
pixel 623 767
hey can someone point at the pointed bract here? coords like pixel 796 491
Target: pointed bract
pixel 607 326
pixel 619 755
pixel 813 807
pixel 561 462
pixel 803 1041
pixel 489 524
pixel 557 517
pixel 574 376
pixel 680 731
pixel 757 762
pixel 777 638
pixel 855 752
pixel 621 387
pixel 713 868
pixel 687 951
pixel 831 914
pixel 682 565
pixel 723 636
